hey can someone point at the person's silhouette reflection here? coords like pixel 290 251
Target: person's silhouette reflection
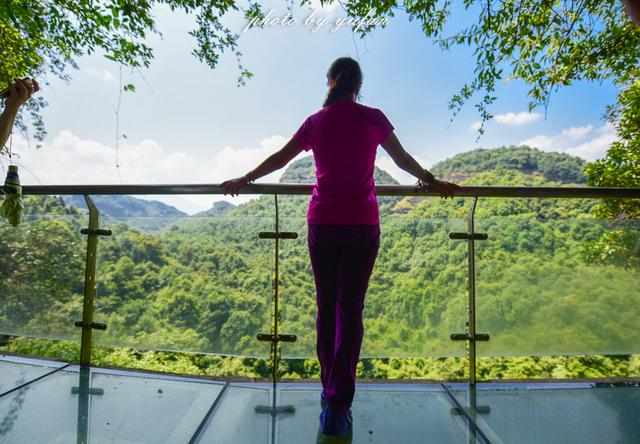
pixel 334 439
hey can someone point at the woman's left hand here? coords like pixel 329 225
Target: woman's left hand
pixel 21 91
pixel 233 186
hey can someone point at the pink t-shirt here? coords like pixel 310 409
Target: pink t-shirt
pixel 344 137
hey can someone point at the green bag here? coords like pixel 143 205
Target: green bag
pixel 12 207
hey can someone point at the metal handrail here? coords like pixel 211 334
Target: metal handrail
pixel 306 189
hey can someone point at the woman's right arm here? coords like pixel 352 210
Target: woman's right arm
pixel 406 161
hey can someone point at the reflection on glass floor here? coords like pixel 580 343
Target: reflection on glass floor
pixel 52 402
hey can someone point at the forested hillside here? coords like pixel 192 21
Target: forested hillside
pixel 204 284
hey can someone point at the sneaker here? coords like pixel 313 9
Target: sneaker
pixel 324 404
pixel 334 422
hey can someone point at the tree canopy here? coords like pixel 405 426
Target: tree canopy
pixel 47 36
pixel 546 44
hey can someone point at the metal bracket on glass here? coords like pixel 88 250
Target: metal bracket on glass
pixel 276 338
pixel 97 232
pixel 467 337
pixel 279 235
pixel 94 325
pixel 466 236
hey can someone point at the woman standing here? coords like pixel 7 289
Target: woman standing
pixel 344 224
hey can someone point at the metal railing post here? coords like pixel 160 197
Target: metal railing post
pixel 470 335
pixel 471 328
pixel 88 306
pixel 275 338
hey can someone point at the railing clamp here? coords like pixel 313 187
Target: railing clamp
pixel 466 236
pixel 469 337
pixel 98 232
pixel 276 338
pixel 94 325
pixel 280 235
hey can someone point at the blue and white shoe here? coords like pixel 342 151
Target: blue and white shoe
pixel 334 422
pixel 324 404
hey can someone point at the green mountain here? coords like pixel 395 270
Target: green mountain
pixel 219 209
pixel 303 171
pixel 552 166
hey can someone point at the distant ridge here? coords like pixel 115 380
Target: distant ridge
pixel 220 208
pixel 126 206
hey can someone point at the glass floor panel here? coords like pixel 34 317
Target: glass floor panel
pixel 557 412
pixel 119 408
pixel 16 371
pixel 235 419
pixel 99 405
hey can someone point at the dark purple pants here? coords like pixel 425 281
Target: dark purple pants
pixel 342 258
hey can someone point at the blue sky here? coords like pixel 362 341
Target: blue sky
pixel 191 124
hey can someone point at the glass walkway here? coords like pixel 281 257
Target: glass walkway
pixel 53 402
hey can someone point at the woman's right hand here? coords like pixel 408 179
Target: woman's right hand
pixel 446 189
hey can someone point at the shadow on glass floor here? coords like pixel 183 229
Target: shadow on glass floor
pixel 53 402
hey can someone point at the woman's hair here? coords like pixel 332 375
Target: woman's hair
pixel 348 76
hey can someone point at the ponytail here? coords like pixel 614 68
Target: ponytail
pixel 348 79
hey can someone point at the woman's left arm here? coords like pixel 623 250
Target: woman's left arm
pixel 272 163
pixel 19 92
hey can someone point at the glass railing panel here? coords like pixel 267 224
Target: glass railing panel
pixel 200 283
pixel 416 295
pixel 542 288
pixel 42 272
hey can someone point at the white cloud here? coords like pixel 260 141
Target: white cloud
pixel 577 132
pixel 517 118
pixel 568 141
pixel 542 142
pixel 102 74
pixel 511 119
pixel 68 159
pixel 597 147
